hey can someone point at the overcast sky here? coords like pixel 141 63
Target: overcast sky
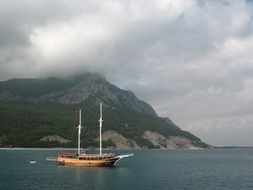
pixel 192 60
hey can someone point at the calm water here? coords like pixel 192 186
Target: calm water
pixel 206 169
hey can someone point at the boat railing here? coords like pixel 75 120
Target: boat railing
pixel 85 155
pixel 106 155
pixel 67 154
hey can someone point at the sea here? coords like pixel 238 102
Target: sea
pixel 221 169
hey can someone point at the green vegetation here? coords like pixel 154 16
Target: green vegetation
pixel 24 124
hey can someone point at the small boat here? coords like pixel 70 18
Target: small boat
pixel 89 160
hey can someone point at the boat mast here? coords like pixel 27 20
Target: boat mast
pixel 100 129
pixel 79 133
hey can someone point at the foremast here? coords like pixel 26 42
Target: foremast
pixel 79 131
pixel 100 130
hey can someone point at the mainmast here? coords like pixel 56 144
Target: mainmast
pixel 79 132
pixel 100 129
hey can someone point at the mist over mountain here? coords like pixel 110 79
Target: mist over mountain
pixel 40 113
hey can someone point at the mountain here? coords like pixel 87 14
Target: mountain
pixel 40 113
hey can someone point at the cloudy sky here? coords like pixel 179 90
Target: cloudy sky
pixel 192 60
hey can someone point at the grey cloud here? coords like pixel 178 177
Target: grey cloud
pixel 191 59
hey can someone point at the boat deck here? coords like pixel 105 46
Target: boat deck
pixel 85 156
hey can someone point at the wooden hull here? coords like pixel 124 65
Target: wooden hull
pixel 88 161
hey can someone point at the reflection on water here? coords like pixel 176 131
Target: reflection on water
pixel 94 177
pixel 206 169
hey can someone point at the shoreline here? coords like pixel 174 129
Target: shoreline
pixel 130 149
pixel 224 147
